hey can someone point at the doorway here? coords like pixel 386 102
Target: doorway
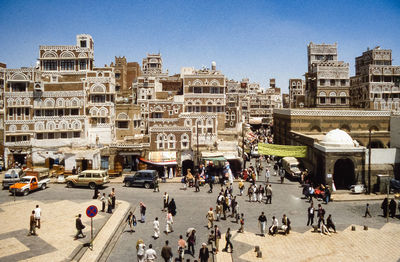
pixel 343 174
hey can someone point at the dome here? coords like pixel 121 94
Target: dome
pixel 338 138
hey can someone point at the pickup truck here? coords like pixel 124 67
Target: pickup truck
pixel 28 184
pixel 11 177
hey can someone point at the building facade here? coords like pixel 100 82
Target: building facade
pixel 327 79
pixel 376 84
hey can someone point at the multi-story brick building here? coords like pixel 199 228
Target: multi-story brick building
pixel 64 102
pixel 376 84
pixel 327 79
pixel 296 92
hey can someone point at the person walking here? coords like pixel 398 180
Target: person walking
pixel 204 253
pixel 172 207
pixel 228 237
pixel 330 224
pixel 79 227
pixel 197 183
pixel 156 227
pixel 150 255
pixel 32 224
pixel 140 250
pixel 241 229
pixel 166 252
pixel 267 175
pixel 131 221
pixel 262 220
pixel 210 217
pixel 321 214
pixel 241 187
pixel 165 201
pixel 310 213
pixel 260 193
pixel 103 199
pixel 156 185
pixel 113 198
pixel 234 205
pixel 181 248
pixel 282 175
pixel 38 212
pixel 268 192
pixel 191 241
pixel 109 204
pixel 169 222
pixel 327 195
pixel 142 212
pixel 217 237
pixel 367 211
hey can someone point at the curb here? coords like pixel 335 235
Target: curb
pixel 107 232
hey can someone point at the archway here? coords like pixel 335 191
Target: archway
pixel 343 174
pixel 187 164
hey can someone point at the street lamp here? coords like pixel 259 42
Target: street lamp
pixel 369 161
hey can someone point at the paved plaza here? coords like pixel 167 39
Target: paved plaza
pixel 61 204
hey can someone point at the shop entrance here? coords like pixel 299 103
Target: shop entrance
pixel 343 174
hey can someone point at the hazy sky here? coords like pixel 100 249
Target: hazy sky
pixel 254 39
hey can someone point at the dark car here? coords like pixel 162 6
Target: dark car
pixel 142 178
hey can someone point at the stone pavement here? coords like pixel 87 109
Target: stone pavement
pixel 347 245
pixel 55 237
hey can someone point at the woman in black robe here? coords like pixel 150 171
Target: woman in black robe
pixel 384 207
pixel 172 207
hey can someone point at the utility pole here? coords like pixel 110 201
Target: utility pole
pixel 243 155
pixel 198 154
pixel 369 162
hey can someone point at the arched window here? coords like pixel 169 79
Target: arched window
pixel 227 116
pixel 161 141
pixel 171 141
pixel 184 141
pixel 233 116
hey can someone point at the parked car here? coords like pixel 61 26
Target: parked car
pixel 11 177
pixel 90 178
pixel 142 178
pixel 28 184
pixel 291 166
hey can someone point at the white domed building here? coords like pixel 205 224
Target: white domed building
pixel 339 158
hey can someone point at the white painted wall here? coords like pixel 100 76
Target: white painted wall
pixel 104 134
pixel 383 156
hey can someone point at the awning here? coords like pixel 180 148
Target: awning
pixel 161 158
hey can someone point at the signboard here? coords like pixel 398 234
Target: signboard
pixel 282 150
pixel 91 211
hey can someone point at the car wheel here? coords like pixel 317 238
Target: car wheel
pixel 70 184
pixel 43 187
pixel 92 185
pixel 127 183
pixel 146 185
pixel 26 192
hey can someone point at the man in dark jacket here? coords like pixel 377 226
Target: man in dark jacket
pixel 204 253
pixel 79 227
pixel 166 252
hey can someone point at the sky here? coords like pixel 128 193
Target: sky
pixel 251 39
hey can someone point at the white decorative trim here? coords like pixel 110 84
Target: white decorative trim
pixel 316 112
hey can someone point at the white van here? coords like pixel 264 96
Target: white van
pixel 291 166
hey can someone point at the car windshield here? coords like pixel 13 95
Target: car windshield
pixel 293 165
pixel 25 180
pixel 7 176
